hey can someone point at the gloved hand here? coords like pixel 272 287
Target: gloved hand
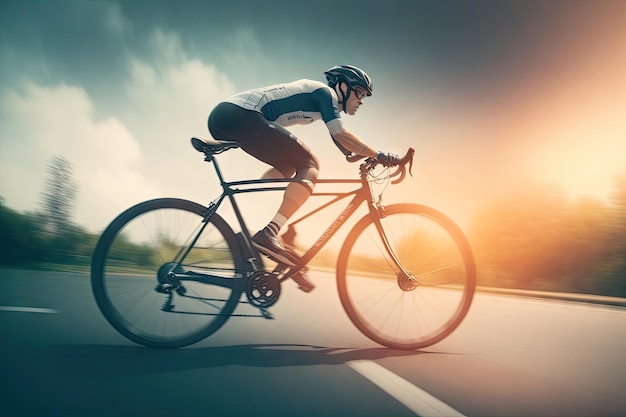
pixel 388 159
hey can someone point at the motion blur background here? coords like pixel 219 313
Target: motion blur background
pixel 517 110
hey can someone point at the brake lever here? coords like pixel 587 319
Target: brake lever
pixel 408 158
pixel 353 157
pixel 400 171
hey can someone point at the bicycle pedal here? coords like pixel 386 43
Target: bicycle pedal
pixel 266 313
pixel 303 284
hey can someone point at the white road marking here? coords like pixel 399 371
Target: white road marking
pixel 28 309
pixel 414 398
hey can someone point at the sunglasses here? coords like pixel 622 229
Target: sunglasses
pixel 359 93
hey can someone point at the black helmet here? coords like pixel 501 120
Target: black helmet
pixel 351 75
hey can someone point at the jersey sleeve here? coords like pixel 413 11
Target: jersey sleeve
pixel 329 108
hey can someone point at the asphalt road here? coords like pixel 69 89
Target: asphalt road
pixel 510 357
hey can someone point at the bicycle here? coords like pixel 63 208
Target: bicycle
pixel 170 272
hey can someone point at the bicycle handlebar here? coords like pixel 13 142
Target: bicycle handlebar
pixel 371 162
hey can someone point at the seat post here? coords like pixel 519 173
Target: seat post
pixel 218 171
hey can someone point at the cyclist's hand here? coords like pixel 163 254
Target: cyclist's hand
pixel 388 159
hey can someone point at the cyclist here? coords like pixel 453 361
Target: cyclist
pixel 256 120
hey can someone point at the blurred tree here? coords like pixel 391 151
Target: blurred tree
pixel 515 238
pixel 59 197
pixel 612 272
pixel 586 244
pixel 537 238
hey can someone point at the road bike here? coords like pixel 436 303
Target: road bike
pixel 170 272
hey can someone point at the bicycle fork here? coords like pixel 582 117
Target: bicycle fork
pixel 406 280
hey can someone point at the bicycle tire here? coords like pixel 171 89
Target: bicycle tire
pixel 391 310
pixel 125 273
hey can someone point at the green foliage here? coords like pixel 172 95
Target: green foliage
pixel 50 237
pixel 21 240
pixel 536 238
pixel 128 253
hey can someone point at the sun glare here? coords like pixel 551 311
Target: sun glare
pixel 585 155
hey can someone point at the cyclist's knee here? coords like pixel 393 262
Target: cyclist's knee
pixel 309 172
pixel 282 172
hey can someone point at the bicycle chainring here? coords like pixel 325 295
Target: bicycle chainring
pixel 263 289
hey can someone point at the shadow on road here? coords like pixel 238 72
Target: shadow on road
pixel 113 361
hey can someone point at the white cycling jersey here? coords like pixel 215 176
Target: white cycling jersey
pixel 299 102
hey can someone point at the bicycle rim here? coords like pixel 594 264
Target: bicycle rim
pixel 382 302
pixel 132 258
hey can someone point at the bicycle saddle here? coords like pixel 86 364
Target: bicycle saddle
pixel 202 144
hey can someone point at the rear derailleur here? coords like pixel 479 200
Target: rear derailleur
pixel 168 284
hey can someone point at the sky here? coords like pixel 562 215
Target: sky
pixel 489 93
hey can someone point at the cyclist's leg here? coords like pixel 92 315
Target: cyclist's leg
pixel 278 147
pixel 297 193
pixel 286 154
pixel 273 173
pixel 264 140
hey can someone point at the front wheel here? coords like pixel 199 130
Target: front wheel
pixel 134 268
pixel 409 310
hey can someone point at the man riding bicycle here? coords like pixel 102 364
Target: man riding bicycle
pixel 256 120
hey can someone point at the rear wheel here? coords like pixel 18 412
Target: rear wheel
pixel 407 311
pixel 132 278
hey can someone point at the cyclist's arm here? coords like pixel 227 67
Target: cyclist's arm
pixel 326 100
pixel 352 143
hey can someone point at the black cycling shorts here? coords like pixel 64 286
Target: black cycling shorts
pixel 267 141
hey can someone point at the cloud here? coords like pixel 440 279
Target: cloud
pixel 168 100
pixel 113 20
pixel 139 150
pixel 172 91
pixel 244 49
pixel 39 122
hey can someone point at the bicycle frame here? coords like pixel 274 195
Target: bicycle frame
pixel 359 195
